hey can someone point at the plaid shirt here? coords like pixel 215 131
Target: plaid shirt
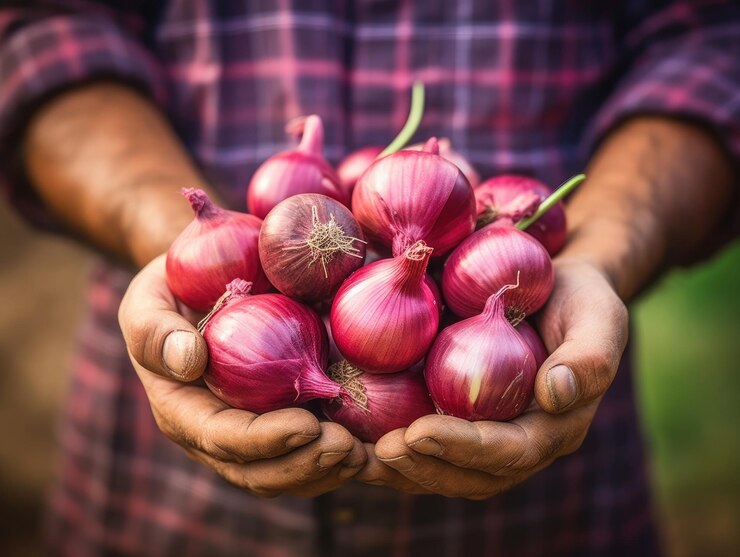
pixel 519 86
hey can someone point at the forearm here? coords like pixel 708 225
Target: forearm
pixel 107 163
pixel 657 190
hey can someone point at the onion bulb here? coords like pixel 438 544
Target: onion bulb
pixel 302 170
pixel 490 258
pixel 533 340
pixel 516 197
pixel 377 404
pixel 308 245
pixel 214 249
pixel 415 195
pixel 266 352
pixel 446 151
pixel 355 164
pixel 385 316
pixel 481 368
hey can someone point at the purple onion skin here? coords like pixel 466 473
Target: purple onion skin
pixel 290 267
pixel 533 340
pixel 303 170
pixel 216 248
pixel 385 316
pixel 355 164
pixel 447 152
pixel 481 368
pixel 491 258
pixel 415 195
pixel 497 195
pixel 334 354
pixel 267 352
pixel 393 401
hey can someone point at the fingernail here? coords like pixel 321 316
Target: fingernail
pixel 562 386
pixel 330 459
pixel 298 440
pixel 427 446
pixel 178 353
pixel 401 463
pixel 349 471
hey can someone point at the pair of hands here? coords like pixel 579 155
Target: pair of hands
pixel 584 325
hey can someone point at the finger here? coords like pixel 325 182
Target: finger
pixel 158 337
pixel 581 369
pixel 378 474
pixel 435 475
pixel 193 417
pixel 338 476
pixel 295 470
pixel 526 443
pixel 486 446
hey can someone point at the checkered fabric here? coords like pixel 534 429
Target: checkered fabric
pixel 526 86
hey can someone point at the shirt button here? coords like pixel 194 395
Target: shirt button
pixel 343 515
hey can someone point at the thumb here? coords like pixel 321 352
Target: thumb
pixel 584 365
pixel 158 338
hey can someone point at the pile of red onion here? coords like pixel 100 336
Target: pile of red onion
pixel 297 313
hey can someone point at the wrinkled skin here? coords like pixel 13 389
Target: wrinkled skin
pixel 286 451
pixel 584 325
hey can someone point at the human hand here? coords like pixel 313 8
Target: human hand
pixel 286 451
pixel 584 325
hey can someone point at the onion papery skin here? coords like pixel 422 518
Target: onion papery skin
pixel 456 158
pixel 415 195
pixel 217 247
pixel 491 258
pixel 385 316
pixel 303 170
pixel 501 196
pixel 355 164
pixel 481 368
pixel 533 340
pixel 377 404
pixel 308 245
pixel 267 352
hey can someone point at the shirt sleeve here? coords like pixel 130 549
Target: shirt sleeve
pixel 683 60
pixel 44 51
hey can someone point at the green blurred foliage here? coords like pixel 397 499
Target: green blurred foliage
pixel 688 346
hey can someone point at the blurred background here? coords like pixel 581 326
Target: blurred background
pixel 688 341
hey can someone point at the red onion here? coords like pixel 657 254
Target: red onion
pixel 303 170
pixel 377 403
pixel 385 316
pixel 516 197
pixel 217 247
pixel 533 340
pixel 490 258
pixel 266 352
pixel 481 368
pixel 415 195
pixel 308 245
pixel 355 164
pixel 447 152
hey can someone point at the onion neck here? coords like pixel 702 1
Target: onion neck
pixel 413 263
pixel 202 206
pixel 235 290
pixel 311 383
pixel 312 142
pixel 431 146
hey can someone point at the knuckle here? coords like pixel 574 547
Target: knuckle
pixel 430 483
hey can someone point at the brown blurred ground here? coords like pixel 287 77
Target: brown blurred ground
pixel 41 285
